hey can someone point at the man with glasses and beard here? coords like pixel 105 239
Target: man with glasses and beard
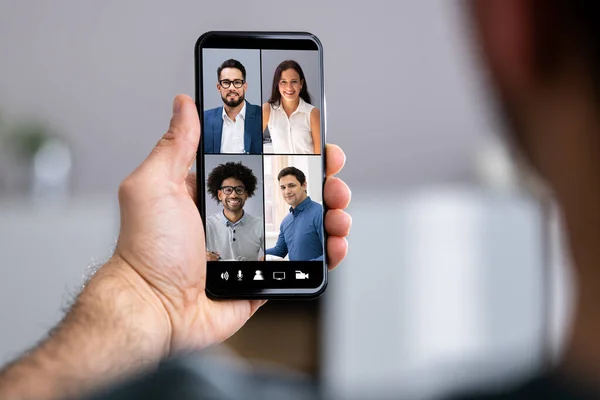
pixel 236 126
pixel 233 234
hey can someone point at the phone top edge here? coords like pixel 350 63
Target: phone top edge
pixel 207 40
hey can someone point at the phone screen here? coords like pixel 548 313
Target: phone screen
pixel 260 163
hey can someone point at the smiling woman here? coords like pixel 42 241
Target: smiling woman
pixel 294 123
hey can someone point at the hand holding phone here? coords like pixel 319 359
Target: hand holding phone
pixel 261 163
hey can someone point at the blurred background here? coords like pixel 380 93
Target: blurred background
pixel 453 255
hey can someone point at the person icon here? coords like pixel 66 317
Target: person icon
pixel 258 276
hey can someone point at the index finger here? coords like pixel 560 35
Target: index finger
pixel 335 159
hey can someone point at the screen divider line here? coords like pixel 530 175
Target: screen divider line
pixel 262 156
pixel 293 154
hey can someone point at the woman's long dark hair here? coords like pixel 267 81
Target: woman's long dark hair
pixel 288 64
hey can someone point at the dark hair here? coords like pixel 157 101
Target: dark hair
pixel 583 16
pixel 231 63
pixel 285 65
pixel 230 170
pixel 292 171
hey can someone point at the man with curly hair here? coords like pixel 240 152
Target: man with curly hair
pixel 233 234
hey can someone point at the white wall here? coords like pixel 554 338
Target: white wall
pixel 400 87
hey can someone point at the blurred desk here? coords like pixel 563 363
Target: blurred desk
pixel 442 290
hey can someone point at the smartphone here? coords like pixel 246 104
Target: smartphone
pixel 261 164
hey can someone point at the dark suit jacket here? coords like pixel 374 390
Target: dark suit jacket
pixel 213 128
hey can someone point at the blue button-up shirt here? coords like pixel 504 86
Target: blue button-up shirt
pixel 301 233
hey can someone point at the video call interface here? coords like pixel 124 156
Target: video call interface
pixel 263 169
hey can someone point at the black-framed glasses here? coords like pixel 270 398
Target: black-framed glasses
pixel 237 83
pixel 240 190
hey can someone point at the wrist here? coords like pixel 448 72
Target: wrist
pixel 116 328
pixel 118 294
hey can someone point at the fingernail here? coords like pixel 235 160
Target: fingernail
pixel 176 106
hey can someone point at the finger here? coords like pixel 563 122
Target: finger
pixel 176 150
pixel 192 185
pixel 337 193
pixel 337 223
pixel 337 248
pixel 255 305
pixel 335 159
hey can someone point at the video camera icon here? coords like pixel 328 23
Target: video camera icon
pixel 301 275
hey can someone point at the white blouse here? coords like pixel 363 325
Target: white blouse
pixel 291 135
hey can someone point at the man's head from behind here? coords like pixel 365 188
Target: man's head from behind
pixel 292 183
pixel 231 184
pixel 543 59
pixel 231 82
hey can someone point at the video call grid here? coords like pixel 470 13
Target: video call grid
pixel 246 155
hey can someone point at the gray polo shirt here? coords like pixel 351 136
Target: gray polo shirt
pixel 244 238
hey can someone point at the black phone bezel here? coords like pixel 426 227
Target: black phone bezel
pixel 263 41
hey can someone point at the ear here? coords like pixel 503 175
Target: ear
pixel 506 36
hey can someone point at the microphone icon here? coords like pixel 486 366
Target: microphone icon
pixel 239 275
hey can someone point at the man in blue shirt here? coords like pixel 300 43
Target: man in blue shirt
pixel 301 231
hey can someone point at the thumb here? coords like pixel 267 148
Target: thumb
pixel 176 150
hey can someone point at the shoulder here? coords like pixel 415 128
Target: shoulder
pixel 266 112
pixel 545 387
pixel 213 112
pixel 253 108
pixel 255 223
pixel 306 107
pixel 212 219
pixel 253 219
pixel 316 206
pixel 315 210
pixel 315 117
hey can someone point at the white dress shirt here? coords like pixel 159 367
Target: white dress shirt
pixel 232 136
pixel 291 135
